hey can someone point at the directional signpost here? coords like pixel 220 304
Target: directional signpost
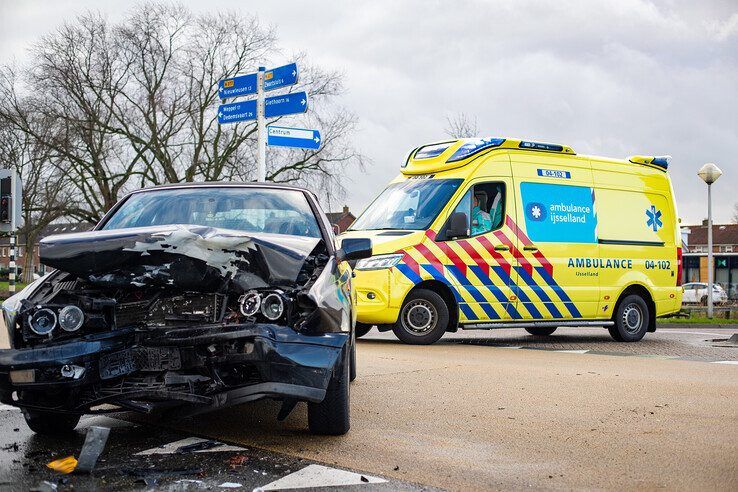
pixel 277 78
pixel 300 138
pixel 285 104
pixel 262 107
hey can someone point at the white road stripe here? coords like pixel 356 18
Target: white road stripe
pixel 320 476
pixel 8 408
pixel 733 362
pixel 680 332
pixel 572 351
pixel 172 447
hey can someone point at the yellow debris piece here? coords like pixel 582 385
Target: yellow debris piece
pixel 63 465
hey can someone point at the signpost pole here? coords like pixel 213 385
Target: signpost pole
pixel 710 266
pixel 261 129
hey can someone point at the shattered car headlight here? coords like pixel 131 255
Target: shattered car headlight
pixel 379 262
pixel 43 321
pixel 250 303
pixel 272 307
pixel 71 318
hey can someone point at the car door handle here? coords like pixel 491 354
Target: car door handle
pixel 502 247
pixel 530 248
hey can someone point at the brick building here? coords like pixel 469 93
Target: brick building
pixel 22 250
pixel 725 251
pixel 341 220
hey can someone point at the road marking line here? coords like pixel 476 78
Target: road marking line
pixel 320 476
pixel 678 332
pixel 733 362
pixel 7 408
pixel 172 447
pixel 571 351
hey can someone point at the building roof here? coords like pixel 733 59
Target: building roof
pixel 721 234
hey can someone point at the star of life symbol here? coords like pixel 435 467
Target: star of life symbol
pixel 654 218
pixel 536 211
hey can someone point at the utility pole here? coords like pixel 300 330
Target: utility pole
pixel 260 126
pixel 13 269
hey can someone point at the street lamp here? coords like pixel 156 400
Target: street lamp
pixel 709 174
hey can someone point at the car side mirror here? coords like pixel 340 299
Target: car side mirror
pixel 458 225
pixel 354 248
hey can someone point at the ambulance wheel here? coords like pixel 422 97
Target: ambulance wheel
pixel 331 417
pixel 631 319
pixel 49 423
pixel 362 329
pixel 541 331
pixel 423 318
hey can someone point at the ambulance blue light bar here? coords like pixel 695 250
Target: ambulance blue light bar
pixel 473 146
pixel 541 146
pixel 662 161
pixel 432 150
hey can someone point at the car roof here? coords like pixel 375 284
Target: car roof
pixel 215 184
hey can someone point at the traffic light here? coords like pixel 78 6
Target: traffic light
pixel 6 209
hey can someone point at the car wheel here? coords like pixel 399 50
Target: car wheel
pixel 353 361
pixel 631 319
pixel 362 329
pixel 541 331
pixel 423 318
pixel 331 416
pixel 49 423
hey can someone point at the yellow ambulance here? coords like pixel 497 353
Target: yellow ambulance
pixel 492 232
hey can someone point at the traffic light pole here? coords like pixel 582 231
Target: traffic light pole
pixel 13 270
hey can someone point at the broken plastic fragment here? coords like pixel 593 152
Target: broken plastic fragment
pixel 93 447
pixel 63 465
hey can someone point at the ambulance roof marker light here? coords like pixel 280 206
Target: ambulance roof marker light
pixel 658 161
pixel 474 146
pixel 662 161
pixel 541 146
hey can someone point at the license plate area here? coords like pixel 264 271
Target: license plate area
pixel 139 359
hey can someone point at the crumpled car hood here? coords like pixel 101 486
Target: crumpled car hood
pixel 190 257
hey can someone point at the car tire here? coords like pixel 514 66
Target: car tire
pixel 353 362
pixel 49 423
pixel 362 329
pixel 331 417
pixel 423 318
pixel 541 331
pixel 632 318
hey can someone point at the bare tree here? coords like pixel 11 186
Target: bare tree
pixel 135 104
pixel 43 186
pixel 461 125
pixel 735 213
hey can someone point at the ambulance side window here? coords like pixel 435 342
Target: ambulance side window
pixel 484 208
pixel 488 207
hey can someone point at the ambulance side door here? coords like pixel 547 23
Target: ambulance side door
pixel 482 258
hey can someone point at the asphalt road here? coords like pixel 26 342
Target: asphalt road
pixel 481 410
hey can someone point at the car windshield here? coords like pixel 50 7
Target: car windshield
pixel 246 209
pixel 412 204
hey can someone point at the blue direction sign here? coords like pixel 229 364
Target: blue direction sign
pixel 241 85
pixel 300 138
pixel 281 77
pixel 235 112
pixel 296 102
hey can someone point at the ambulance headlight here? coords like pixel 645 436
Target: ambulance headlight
pixel 379 262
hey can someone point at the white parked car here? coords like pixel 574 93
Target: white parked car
pixel 696 293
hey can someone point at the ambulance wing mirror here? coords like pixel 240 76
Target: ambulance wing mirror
pixel 458 225
pixel 354 248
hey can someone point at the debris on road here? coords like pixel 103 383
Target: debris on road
pixel 63 465
pixel 93 447
pixel 230 485
pixel 237 460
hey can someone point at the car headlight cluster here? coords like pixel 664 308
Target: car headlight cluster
pixel 379 262
pixel 270 304
pixel 43 321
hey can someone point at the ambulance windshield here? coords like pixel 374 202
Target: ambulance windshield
pixel 412 204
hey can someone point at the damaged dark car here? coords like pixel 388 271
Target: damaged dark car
pixel 185 299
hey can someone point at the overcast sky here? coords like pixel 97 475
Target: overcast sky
pixel 608 78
